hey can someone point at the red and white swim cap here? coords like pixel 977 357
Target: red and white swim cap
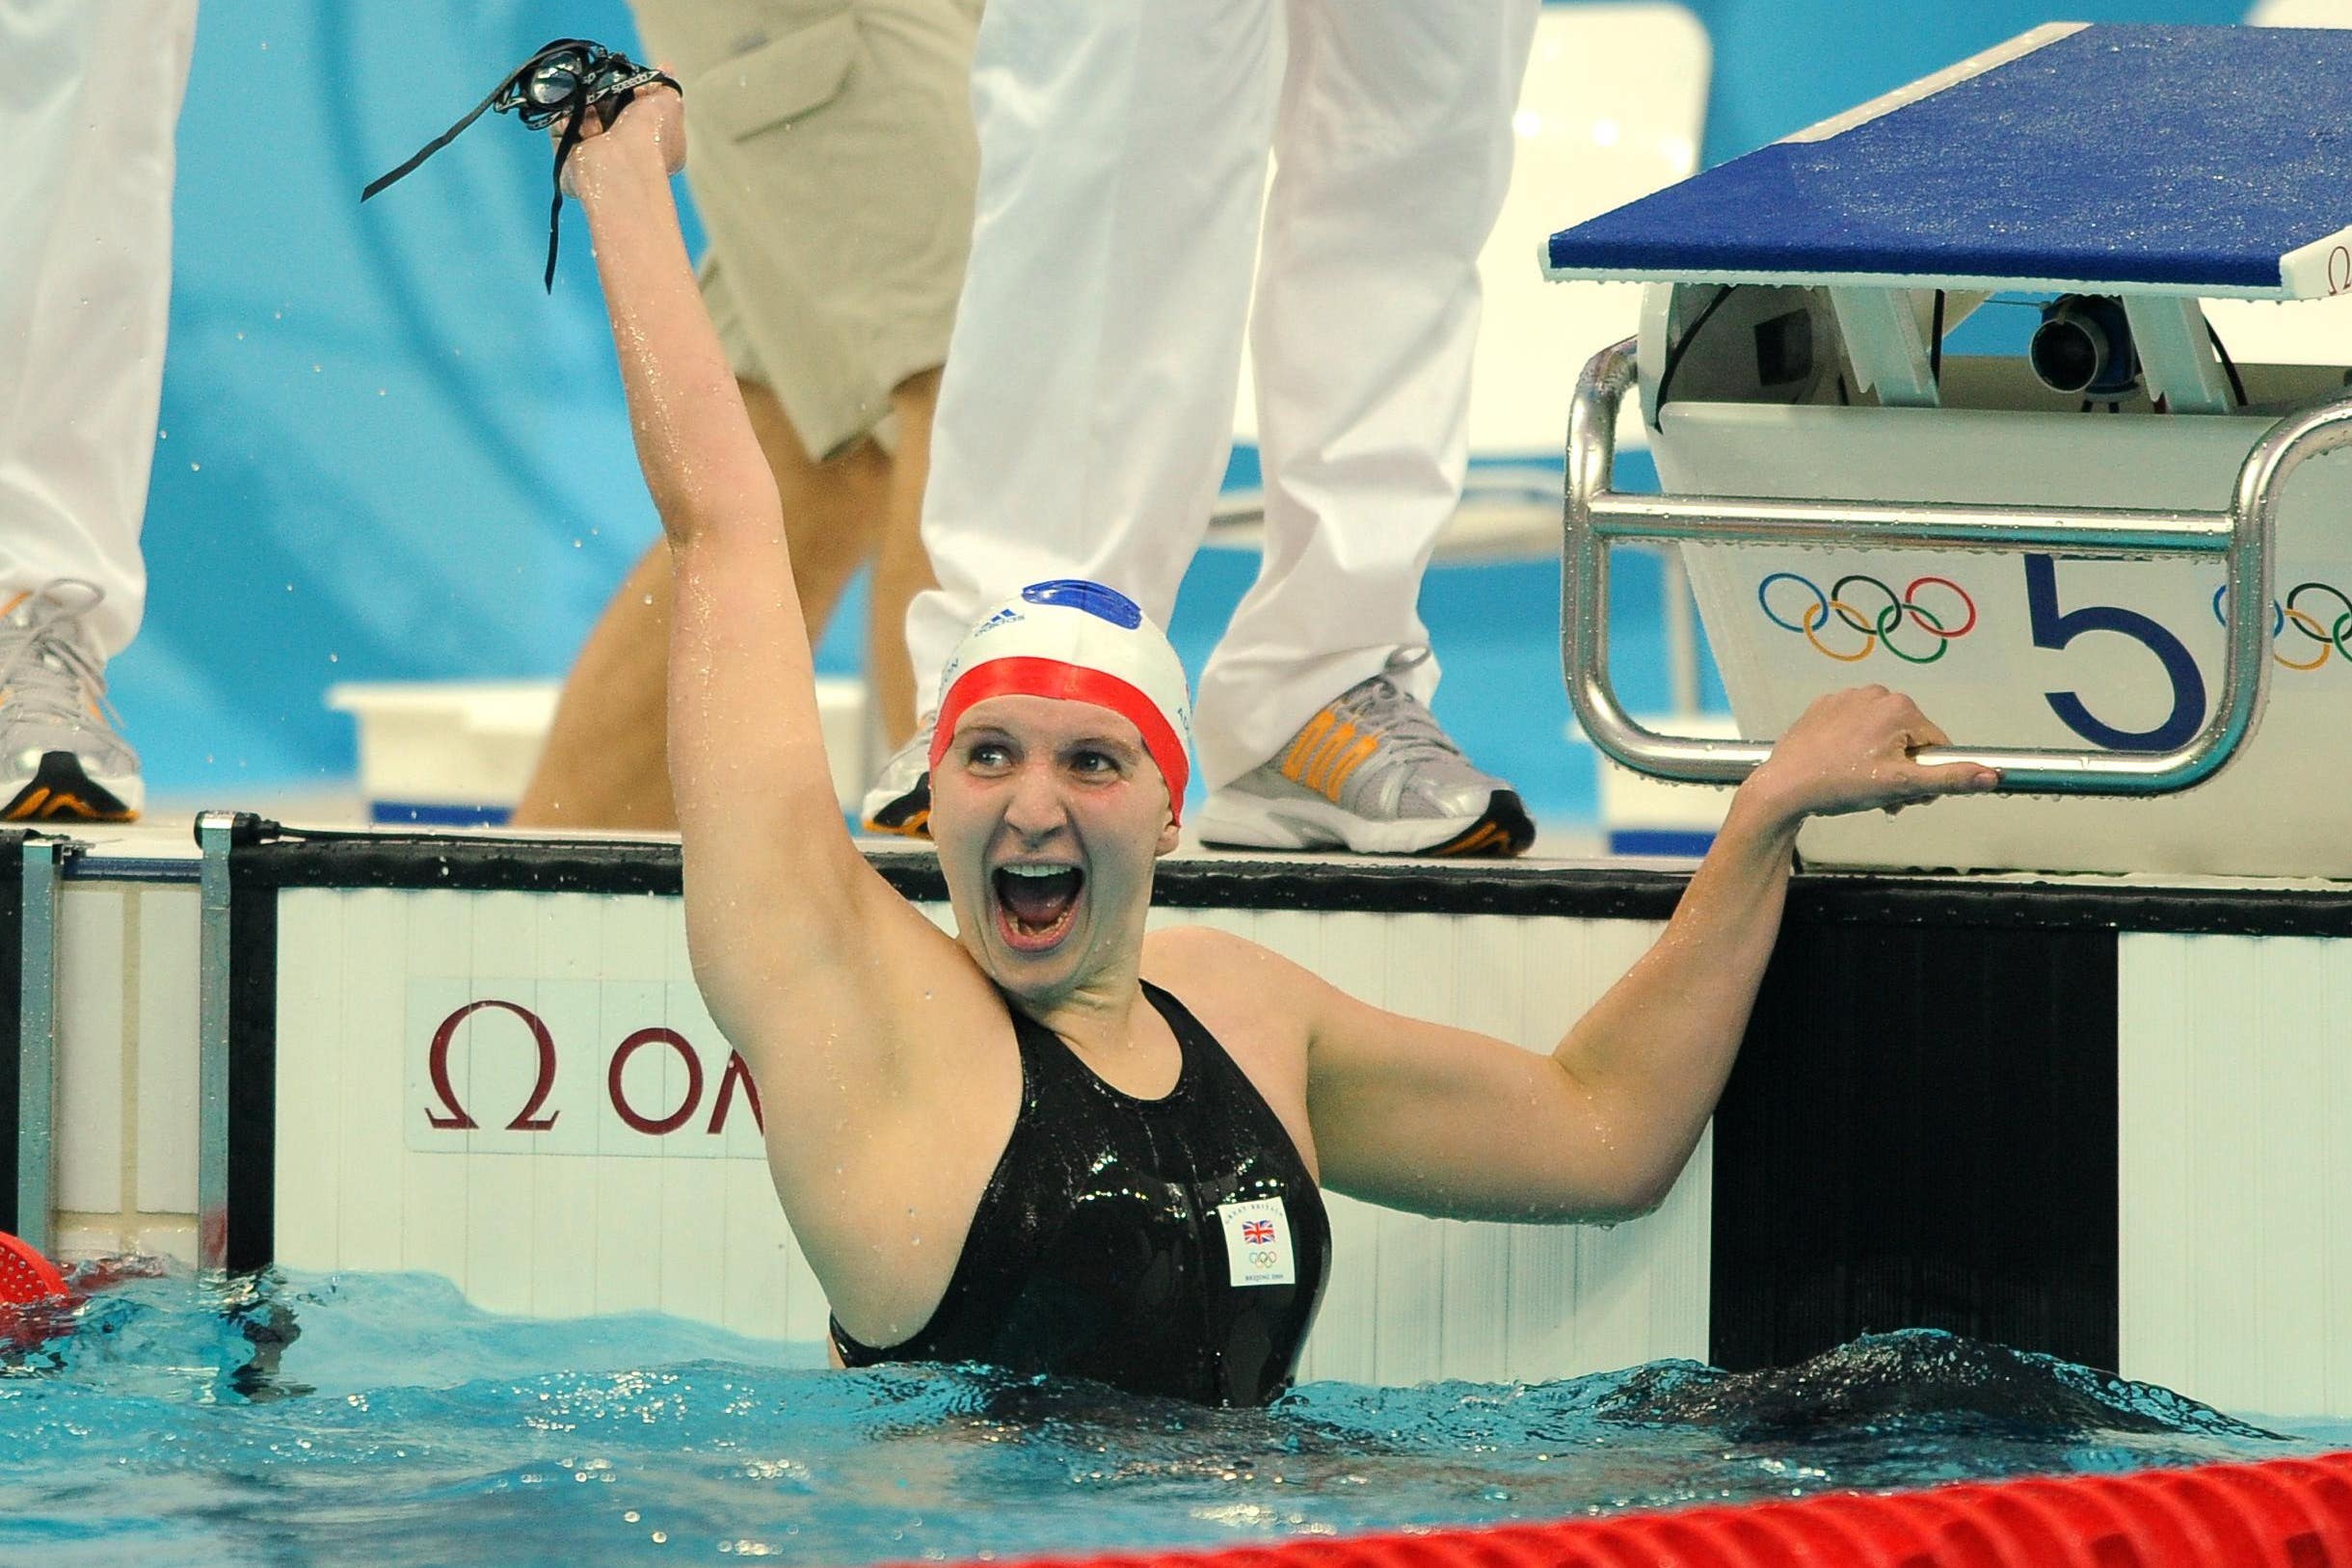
pixel 1079 642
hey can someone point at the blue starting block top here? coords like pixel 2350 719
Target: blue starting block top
pixel 2162 160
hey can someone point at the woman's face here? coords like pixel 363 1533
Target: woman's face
pixel 1048 815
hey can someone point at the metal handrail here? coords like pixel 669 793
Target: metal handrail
pixel 1598 516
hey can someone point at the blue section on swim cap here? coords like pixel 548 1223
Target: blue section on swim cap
pixel 1093 598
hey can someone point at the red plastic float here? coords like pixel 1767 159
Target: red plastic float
pixel 2279 1513
pixel 25 1275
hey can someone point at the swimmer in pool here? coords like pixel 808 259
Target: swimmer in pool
pixel 1055 1142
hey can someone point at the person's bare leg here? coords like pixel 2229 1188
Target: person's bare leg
pixel 901 569
pixel 606 760
pixel 603 763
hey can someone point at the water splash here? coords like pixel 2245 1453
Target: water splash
pixel 321 1417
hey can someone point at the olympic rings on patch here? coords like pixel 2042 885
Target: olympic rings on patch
pixel 2334 637
pixel 1877 618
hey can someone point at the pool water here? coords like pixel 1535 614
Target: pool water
pixel 378 1418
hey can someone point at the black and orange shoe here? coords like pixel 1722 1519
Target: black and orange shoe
pixel 1371 772
pixel 60 757
pixel 900 799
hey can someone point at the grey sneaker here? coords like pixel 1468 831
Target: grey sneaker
pixel 1374 773
pixel 59 753
pixel 899 799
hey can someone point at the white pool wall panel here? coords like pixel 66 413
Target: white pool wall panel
pixel 2235 1171
pixel 551 1233
pixel 690 1225
pixel 126 1083
pixel 166 991
pixel 90 1144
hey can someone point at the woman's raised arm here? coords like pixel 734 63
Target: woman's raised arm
pixel 774 887
pixel 1445 1122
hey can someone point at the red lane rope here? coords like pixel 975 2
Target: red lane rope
pixel 2279 1513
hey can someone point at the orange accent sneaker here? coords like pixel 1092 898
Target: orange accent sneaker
pixel 1371 772
pixel 900 801
pixel 60 757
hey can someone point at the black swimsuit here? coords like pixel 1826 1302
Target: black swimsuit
pixel 1117 1236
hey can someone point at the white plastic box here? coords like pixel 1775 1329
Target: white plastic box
pixel 1646 817
pixel 459 753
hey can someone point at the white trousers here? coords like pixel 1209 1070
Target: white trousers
pixel 1087 408
pixel 89 93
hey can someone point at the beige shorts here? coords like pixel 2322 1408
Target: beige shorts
pixel 831 155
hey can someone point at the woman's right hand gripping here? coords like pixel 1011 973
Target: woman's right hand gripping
pixel 655 116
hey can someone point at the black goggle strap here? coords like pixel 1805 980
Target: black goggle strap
pixel 606 99
pixel 442 139
pixel 511 91
pixel 606 94
pixel 555 206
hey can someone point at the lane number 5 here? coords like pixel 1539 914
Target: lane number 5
pixel 2053 627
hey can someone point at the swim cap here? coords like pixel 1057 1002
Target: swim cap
pixel 1079 642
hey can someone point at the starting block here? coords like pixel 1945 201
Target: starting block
pixel 2092 551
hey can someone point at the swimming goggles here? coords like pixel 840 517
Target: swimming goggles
pixel 564 80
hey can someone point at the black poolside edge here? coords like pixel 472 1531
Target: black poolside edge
pixel 11 999
pixel 96 865
pixel 1905 1102
pixel 251 1241
pixel 1593 890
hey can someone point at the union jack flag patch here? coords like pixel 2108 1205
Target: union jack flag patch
pixel 1258 1243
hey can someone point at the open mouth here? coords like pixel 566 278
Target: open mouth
pixel 1036 904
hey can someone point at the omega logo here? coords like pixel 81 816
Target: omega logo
pixel 454 1117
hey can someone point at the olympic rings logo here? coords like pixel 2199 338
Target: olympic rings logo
pixel 1874 621
pixel 2334 637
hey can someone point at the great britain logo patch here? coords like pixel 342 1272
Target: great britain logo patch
pixel 1258 1243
